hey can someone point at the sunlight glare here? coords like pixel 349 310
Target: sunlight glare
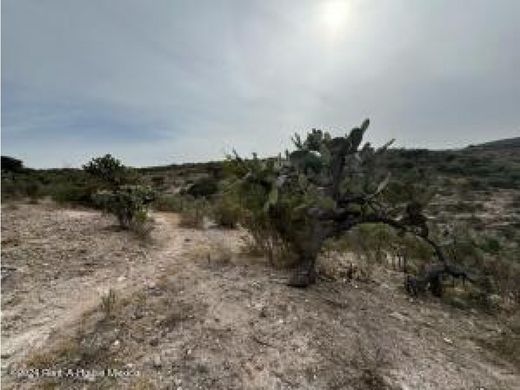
pixel 334 15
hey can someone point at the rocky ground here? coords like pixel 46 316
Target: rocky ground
pixel 190 310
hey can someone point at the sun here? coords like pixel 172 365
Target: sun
pixel 334 16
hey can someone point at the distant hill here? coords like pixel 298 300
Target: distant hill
pixel 507 143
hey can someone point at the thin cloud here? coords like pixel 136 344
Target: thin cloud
pixel 172 81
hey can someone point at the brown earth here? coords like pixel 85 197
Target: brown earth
pixel 191 311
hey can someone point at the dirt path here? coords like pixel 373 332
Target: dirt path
pixel 199 314
pixel 58 266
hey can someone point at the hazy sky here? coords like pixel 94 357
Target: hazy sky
pixel 161 81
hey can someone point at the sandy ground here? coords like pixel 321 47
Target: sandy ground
pixel 193 312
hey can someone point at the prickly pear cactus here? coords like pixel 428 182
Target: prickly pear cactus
pixel 323 188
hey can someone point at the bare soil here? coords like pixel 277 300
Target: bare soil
pixel 192 311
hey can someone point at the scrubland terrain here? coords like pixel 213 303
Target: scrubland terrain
pixel 190 305
pixel 190 309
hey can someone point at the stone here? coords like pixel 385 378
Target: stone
pixel 157 363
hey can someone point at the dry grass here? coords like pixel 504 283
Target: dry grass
pixel 214 253
pixel 108 303
pixel 64 350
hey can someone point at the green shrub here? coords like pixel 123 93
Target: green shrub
pixel 10 190
pixel 193 213
pixel 11 164
pixel 128 203
pixel 158 181
pixel 109 171
pixel 227 211
pixel 33 190
pixel 490 245
pixel 72 193
pixel 266 241
pixel 169 203
pixel 204 187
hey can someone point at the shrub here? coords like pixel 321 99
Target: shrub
pixel 491 245
pixel 9 190
pixel 193 213
pixel 204 187
pixel 33 190
pixel 73 193
pixel 11 164
pixel 109 171
pixel 266 241
pixel 169 203
pixel 227 211
pixel 108 303
pixel 158 181
pixel 128 203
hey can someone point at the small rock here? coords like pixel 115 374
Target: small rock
pixel 157 361
pixel 447 340
pixel 495 299
pixel 154 342
pixel 398 316
pixel 156 292
pixel 121 278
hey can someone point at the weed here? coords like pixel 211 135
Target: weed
pixel 108 303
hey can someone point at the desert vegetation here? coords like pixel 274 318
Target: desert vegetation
pixel 386 241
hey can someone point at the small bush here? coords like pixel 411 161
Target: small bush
pixel 158 181
pixel 109 171
pixel 108 302
pixel 193 214
pixel 227 212
pixel 219 254
pixel 9 190
pixel 204 187
pixel 72 193
pixel 11 164
pixel 33 190
pixel 265 241
pixel 490 245
pixel 21 185
pixel 128 203
pixel 169 203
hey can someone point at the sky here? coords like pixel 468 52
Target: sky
pixel 158 82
